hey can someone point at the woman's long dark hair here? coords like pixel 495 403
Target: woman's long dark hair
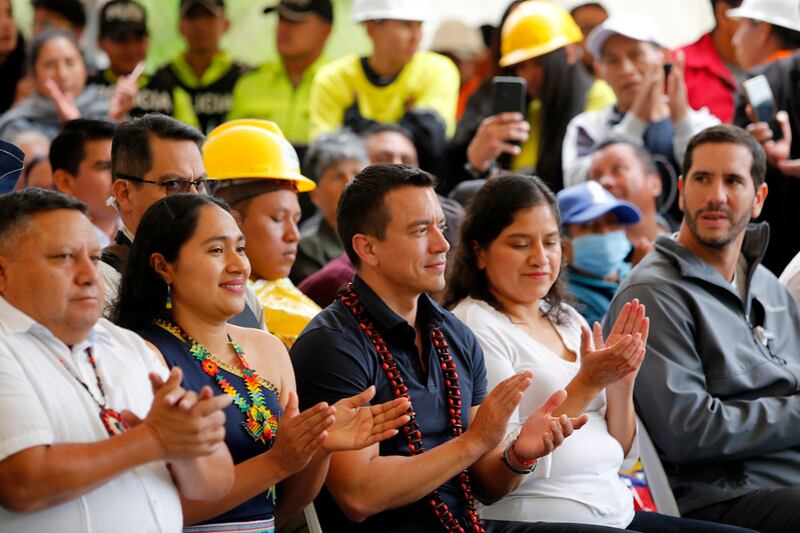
pixel 492 209
pixel 164 229
pixel 11 71
pixel 564 90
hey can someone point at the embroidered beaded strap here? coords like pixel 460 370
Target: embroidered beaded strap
pixel 412 431
pixel 260 423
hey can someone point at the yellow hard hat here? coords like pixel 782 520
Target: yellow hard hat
pixel 536 28
pixel 252 149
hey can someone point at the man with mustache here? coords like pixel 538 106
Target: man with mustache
pixel 718 388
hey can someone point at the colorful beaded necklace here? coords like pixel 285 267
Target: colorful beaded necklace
pixel 412 431
pixel 259 422
pixel 111 418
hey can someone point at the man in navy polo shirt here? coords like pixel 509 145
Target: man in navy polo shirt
pixel 384 330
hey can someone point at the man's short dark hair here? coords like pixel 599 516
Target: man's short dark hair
pixel 17 208
pixel 644 157
pixel 72 10
pixel 130 148
pixel 727 134
pixel 788 38
pixel 361 207
pixel 68 149
pixel 382 127
pixel 731 3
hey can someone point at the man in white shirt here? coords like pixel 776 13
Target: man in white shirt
pixel 69 378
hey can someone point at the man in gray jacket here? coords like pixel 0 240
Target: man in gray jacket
pixel 718 390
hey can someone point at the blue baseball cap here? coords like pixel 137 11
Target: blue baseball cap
pixel 11 158
pixel 589 200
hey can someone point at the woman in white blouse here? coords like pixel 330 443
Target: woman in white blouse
pixel 505 282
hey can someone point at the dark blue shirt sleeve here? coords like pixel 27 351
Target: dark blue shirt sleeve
pixel 479 382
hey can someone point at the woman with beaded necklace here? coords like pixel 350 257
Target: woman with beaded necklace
pixel 184 279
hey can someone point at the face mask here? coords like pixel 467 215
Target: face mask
pixel 600 254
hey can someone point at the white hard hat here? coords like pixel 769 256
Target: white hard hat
pixel 364 10
pixel 784 13
pixel 455 37
pixel 629 24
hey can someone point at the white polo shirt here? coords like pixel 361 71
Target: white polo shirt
pixel 41 403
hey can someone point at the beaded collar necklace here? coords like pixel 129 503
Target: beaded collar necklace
pixel 111 418
pixel 260 423
pixel 411 430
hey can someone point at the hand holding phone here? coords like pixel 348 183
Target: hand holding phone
pixel 758 95
pixel 509 95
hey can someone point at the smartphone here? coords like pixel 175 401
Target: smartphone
pixel 509 95
pixel 758 94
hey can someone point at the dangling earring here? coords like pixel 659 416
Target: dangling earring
pixel 168 304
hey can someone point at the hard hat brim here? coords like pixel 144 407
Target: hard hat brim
pixel 518 56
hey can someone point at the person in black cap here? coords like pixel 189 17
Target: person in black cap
pixel 123 36
pixel 61 14
pixel 280 89
pixel 199 81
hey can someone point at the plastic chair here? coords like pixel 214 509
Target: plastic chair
pixel 656 477
pixel 311 519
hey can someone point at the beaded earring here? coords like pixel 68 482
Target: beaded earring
pixel 168 304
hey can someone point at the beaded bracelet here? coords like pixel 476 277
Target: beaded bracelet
pixel 529 466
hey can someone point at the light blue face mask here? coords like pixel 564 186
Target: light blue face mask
pixel 600 254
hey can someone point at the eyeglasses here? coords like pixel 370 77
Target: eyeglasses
pixel 174 186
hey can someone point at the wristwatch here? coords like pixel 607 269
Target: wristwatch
pixel 477 174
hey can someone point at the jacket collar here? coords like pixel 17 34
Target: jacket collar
pixel 754 246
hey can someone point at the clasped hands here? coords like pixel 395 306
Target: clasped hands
pixel 649 104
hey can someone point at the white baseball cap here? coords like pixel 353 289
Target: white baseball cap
pixel 626 23
pixel 784 13
pixel 364 10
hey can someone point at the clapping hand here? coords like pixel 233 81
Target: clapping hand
pixel 186 424
pixel 542 432
pixel 358 425
pixel 489 425
pixel 676 90
pixel 605 362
